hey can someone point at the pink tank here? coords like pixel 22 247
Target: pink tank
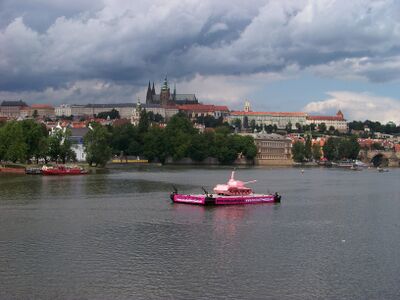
pixel 233 187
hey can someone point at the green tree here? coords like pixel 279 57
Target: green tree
pixel 288 127
pixel 298 151
pixel 354 147
pixel 322 128
pixel 237 123
pixel 308 148
pixel 60 146
pixel 244 145
pixel 331 149
pixel 253 125
pixel 36 139
pixel 12 142
pixel 112 114
pixel 157 118
pixel 246 122
pixel 224 130
pixel 126 139
pixel 35 114
pixel 199 147
pixel 144 122
pixel 224 149
pixel 269 128
pixel 179 132
pixel 209 121
pixel 316 151
pixel 96 142
pixel 155 146
pixel 356 125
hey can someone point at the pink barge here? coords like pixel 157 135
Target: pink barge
pixel 233 192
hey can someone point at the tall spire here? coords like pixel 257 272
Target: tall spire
pixel 153 90
pixel 148 94
pixel 174 93
pixel 165 85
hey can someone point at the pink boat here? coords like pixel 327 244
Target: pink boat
pixel 233 192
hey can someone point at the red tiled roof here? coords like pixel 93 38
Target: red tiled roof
pixel 203 107
pixel 41 106
pixel 270 113
pixel 325 118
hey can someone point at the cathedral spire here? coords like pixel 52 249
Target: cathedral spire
pixel 165 84
pixel 149 94
pixel 153 90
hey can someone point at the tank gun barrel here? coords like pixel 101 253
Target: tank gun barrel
pixel 251 181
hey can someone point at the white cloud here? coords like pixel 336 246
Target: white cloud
pixel 358 106
pixel 227 90
pixel 217 27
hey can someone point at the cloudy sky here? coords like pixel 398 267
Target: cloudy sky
pixel 282 55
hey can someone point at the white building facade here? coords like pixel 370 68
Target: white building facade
pixel 338 121
pixel 280 119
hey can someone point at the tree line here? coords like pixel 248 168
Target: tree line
pixel 179 139
pixel 374 126
pixel 27 140
pixel 335 148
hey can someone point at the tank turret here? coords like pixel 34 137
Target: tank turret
pixel 233 187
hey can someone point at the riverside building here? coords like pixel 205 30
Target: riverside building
pixel 125 110
pixel 12 109
pixel 338 121
pixel 272 149
pixel 282 119
pixel 194 111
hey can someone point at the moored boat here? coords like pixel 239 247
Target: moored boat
pixel 233 192
pixel 63 170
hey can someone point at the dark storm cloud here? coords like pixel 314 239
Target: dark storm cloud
pixel 39 15
pixel 51 43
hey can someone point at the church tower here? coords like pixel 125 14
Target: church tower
pixel 247 107
pixel 135 117
pixel 149 95
pixel 174 93
pixel 165 93
pixel 153 90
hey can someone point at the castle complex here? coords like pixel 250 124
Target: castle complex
pixel 166 98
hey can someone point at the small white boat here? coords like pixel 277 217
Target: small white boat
pixel 382 170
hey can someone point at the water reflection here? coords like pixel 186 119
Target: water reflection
pixel 117 235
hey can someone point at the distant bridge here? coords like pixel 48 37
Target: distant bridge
pixel 380 157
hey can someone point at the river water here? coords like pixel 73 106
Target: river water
pixel 115 235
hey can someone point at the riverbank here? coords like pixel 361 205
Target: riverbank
pixel 29 169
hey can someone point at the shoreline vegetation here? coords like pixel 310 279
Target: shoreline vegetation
pixel 28 143
pixel 31 144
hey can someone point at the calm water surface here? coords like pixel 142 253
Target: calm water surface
pixel 336 235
